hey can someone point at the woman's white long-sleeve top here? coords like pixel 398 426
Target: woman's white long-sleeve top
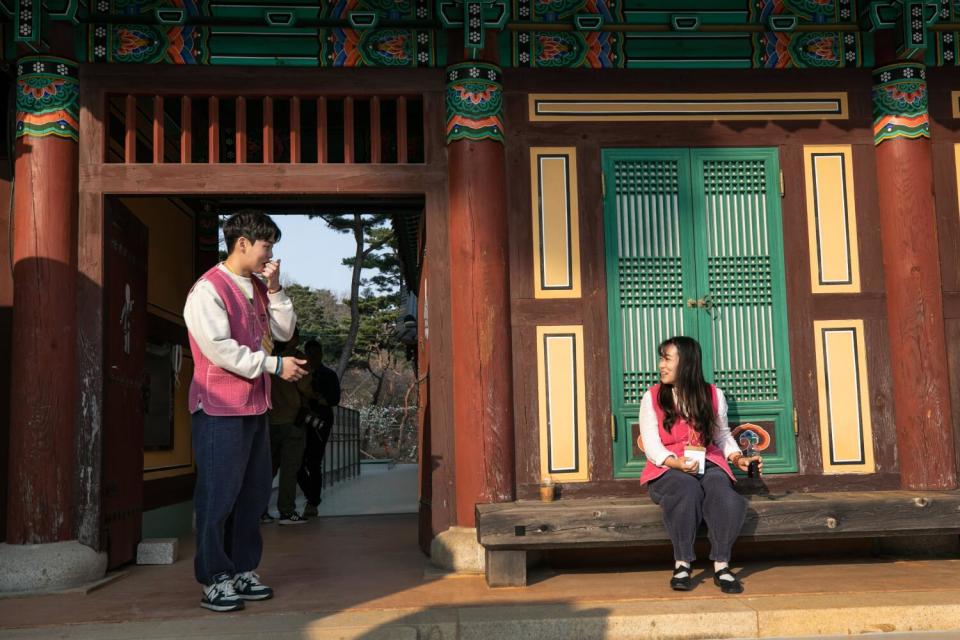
pixel 650 431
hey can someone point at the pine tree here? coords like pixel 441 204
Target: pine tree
pixel 372 233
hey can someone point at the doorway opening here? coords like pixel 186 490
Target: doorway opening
pixel 370 324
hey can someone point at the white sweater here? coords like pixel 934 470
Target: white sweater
pixel 206 317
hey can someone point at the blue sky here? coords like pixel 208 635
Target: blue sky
pixel 311 253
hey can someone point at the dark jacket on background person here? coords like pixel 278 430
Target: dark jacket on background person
pixel 327 385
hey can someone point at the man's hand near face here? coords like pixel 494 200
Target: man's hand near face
pixel 271 274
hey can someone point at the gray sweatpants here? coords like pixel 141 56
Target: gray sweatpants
pixel 687 499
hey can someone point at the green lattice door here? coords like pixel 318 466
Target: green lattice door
pixel 694 247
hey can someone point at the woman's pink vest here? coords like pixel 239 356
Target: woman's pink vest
pixel 679 437
pixel 220 392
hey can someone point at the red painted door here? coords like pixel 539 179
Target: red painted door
pixel 125 341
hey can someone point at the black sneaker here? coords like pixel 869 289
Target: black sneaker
pixel 291 518
pixel 249 587
pixel 221 595
pixel 266 518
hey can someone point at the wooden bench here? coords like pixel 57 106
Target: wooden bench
pixel 509 530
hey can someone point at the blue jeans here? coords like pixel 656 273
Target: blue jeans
pixel 233 488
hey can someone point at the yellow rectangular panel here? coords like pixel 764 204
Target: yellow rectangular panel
pixel 831 219
pixel 562 400
pixel 639 107
pixel 170 266
pixel 556 222
pixel 846 434
pixel 956 166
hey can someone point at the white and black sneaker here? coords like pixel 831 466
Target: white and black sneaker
pixel 291 518
pixel 249 587
pixel 221 595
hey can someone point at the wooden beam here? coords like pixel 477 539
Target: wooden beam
pixel 130 130
pixel 93 149
pixel 375 139
pixel 267 130
pixel 321 130
pixel 636 521
pixel 336 179
pixel 348 130
pixel 186 130
pixel 223 81
pixel 158 145
pixel 213 131
pixel 240 140
pixel 402 130
pixel 295 130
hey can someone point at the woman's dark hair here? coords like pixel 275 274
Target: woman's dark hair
pixel 252 225
pixel 692 389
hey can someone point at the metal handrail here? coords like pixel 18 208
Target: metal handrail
pixel 341 459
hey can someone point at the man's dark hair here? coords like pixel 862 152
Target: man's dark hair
pixel 252 225
pixel 313 346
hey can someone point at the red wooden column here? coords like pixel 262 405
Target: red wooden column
pixel 42 416
pixel 480 298
pixel 908 227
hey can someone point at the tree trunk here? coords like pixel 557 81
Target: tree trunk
pixel 375 400
pixel 354 298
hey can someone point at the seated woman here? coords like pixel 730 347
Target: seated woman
pixel 684 411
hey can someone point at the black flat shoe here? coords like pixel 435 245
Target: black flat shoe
pixel 684 583
pixel 727 586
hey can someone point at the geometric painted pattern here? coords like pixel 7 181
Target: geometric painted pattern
pixel 48 93
pixel 900 102
pixel 474 102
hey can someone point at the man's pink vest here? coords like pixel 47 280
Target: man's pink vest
pixel 679 437
pixel 220 392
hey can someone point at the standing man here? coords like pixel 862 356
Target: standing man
pixel 288 434
pixel 326 386
pixel 233 313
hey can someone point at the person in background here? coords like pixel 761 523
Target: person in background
pixel 407 335
pixel 288 434
pixel 232 314
pixel 326 386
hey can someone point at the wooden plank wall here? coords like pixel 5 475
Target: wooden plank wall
pixel 591 310
pixel 945 135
